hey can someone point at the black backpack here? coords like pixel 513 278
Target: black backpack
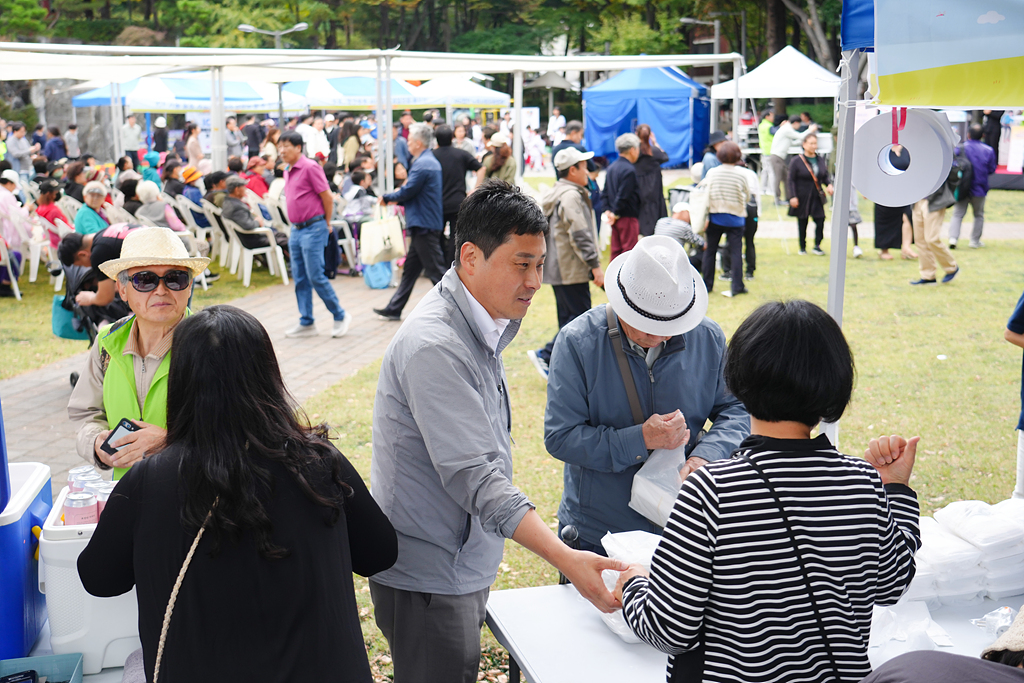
pixel 961 175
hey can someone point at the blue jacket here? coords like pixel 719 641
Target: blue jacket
pixel 589 426
pixel 422 195
pixel 983 159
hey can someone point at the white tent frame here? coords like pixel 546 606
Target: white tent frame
pixel 39 61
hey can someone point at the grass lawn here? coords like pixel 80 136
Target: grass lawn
pixel 26 338
pixel 931 361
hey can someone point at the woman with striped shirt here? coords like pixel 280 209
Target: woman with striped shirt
pixel 729 189
pixel 772 560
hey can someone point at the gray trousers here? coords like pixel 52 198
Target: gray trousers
pixel 778 167
pixel 433 638
pixel 960 210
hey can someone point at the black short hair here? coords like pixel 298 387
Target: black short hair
pixel 428 117
pixel 358 177
pixel 795 119
pixel 444 134
pixel 73 126
pixel 789 362
pixel 1014 658
pixel 129 187
pixel 975 131
pixel 573 127
pixel 69 245
pixel 766 113
pixel 357 162
pixel 39 164
pixel 292 138
pixel 213 178
pixel 235 165
pixel 807 114
pixel 492 213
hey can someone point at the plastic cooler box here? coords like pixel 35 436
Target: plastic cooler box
pixel 22 606
pixel 104 630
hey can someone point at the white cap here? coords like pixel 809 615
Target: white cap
pixel 329 118
pixel 160 122
pixel 680 206
pixel 570 156
pixel 499 138
pixel 654 288
pixel 11 175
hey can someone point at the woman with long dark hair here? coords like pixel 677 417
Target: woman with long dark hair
pixel 349 142
pixel 277 520
pixel 172 178
pixel 648 180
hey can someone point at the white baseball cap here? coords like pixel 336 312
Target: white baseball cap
pixel 11 175
pixel 680 206
pixel 570 156
pixel 329 118
pixel 654 288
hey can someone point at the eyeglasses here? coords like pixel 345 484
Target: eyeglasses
pixel 147 281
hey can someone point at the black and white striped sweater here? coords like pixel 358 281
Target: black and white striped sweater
pixel 726 565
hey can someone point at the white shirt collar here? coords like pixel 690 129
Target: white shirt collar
pixel 491 328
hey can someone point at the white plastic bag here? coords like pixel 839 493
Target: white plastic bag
pixel 944 552
pixel 656 485
pixel 973 520
pixel 604 235
pixel 632 547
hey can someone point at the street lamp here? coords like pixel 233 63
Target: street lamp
pixel 714 73
pixel 743 29
pixel 249 28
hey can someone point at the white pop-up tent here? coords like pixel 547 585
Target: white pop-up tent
pixel 787 73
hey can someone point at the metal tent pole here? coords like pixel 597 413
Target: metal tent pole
pixel 385 141
pixel 280 106
pixel 218 142
pixel 379 114
pixel 737 67
pixel 841 200
pixel 517 117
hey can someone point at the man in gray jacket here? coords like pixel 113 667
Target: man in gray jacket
pixel 675 357
pixel 573 258
pixel 442 459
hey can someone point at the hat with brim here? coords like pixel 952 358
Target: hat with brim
pixel 190 174
pixel 654 288
pixel 1012 639
pixel 716 137
pixel 153 247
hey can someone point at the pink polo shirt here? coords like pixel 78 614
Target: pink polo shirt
pixel 303 183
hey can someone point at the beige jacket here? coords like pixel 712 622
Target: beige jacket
pixel 85 408
pixel 571 238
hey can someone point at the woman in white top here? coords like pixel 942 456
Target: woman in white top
pixel 729 188
pixel 269 148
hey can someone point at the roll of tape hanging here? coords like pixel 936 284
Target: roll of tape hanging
pixel 880 171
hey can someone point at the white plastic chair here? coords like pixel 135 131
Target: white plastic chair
pixel 32 249
pixel 186 207
pixel 12 269
pixel 70 207
pixel 278 215
pixel 59 231
pixel 243 253
pixel 118 214
pixel 348 243
pixel 213 213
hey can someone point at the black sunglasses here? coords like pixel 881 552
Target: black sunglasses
pixel 147 280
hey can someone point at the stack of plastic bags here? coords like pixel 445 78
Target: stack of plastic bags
pixel 969 550
pixel 632 547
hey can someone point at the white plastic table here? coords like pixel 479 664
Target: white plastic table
pixel 552 634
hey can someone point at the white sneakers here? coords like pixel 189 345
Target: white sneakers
pixel 857 252
pixel 340 329
pixel 301 330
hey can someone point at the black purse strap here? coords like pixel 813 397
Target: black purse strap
pixel 800 561
pixel 627 375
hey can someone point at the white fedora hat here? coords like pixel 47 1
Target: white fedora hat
pixel 654 288
pixel 153 247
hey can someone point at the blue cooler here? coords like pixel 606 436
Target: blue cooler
pixel 25 500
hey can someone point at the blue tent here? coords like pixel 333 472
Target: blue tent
pixel 675 107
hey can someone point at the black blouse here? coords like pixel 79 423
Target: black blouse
pixel 240 616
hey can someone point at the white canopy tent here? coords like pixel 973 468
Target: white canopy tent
pixel 457 91
pixel 30 61
pixel 787 73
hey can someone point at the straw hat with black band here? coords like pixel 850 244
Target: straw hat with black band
pixel 153 247
pixel 654 288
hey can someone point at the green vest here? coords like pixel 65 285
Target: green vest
pixel 119 397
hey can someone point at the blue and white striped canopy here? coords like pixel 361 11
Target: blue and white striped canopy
pixel 168 94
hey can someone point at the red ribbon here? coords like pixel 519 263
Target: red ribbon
pixel 899 122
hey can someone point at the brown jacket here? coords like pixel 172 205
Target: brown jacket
pixel 572 237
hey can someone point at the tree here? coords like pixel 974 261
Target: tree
pixel 21 18
pixel 813 25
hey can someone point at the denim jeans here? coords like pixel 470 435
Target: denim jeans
pixel 307 253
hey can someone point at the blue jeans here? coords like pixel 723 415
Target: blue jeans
pixel 307 253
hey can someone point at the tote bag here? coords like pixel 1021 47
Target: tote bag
pixel 381 239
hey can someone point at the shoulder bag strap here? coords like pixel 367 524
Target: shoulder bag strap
pixel 174 594
pixel 817 185
pixel 800 561
pixel 627 375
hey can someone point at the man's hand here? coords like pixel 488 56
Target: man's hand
pixel 610 217
pixel 584 571
pixel 146 441
pixel 85 298
pixel 631 571
pixel 812 128
pixel 691 465
pixel 666 431
pixel 893 457
pixel 794 202
pixel 101 454
pixel 598 277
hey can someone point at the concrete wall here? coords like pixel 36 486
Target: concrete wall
pixel 52 100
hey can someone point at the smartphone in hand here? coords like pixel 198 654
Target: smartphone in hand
pixel 123 429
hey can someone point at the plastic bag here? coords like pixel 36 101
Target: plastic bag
pixel 945 552
pixel 997 622
pixel 604 234
pixel 633 547
pixel 973 520
pixel 656 485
